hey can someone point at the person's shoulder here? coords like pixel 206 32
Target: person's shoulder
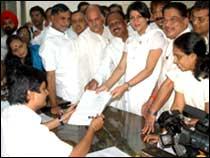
pixel 10 110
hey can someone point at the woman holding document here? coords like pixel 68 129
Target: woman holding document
pixel 140 62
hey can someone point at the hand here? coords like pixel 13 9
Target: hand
pixel 118 91
pixel 103 87
pixel 68 113
pixel 97 123
pixel 29 24
pixel 149 124
pixel 56 110
pixel 144 109
pixel 151 138
pixel 92 85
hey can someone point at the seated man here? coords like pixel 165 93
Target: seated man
pixel 21 130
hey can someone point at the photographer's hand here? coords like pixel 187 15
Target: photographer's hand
pixel 151 138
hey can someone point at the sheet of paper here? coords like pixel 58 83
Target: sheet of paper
pixel 108 152
pixel 90 105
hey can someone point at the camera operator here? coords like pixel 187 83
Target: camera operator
pixel 192 86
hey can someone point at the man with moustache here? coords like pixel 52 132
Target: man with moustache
pixel 200 19
pixel 113 53
pixel 175 24
pixel 9 24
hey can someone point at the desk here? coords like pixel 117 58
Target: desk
pixel 121 129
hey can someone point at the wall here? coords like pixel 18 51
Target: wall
pixel 73 4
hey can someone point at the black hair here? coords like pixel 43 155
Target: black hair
pixel 115 12
pixel 139 7
pixel 201 5
pixel 180 7
pixel 39 9
pixel 103 10
pixel 155 3
pixel 24 27
pixel 116 6
pixel 50 8
pixel 59 8
pixel 24 78
pixel 12 61
pixel 82 4
pixel 192 42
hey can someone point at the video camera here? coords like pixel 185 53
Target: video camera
pixel 184 140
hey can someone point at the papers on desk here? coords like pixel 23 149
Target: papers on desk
pixel 90 105
pixel 108 152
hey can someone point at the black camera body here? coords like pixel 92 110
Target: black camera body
pixel 184 140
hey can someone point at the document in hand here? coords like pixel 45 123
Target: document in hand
pixel 89 106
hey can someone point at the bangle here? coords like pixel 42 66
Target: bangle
pixel 152 113
pixel 60 120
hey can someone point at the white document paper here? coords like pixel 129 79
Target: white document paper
pixel 90 105
pixel 108 152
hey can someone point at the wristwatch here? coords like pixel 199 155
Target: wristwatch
pixel 60 119
pixel 152 113
pixel 129 86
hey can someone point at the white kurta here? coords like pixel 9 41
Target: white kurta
pixel 90 48
pixel 196 93
pixel 58 54
pixel 23 135
pixel 169 69
pixel 113 53
pixel 137 49
pixel 71 33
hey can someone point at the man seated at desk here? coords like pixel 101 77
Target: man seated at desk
pixel 21 130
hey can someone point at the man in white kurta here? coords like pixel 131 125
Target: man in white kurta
pixel 9 24
pixel 91 44
pixel 58 55
pixel 60 60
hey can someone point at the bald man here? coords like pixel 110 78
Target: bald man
pixel 91 44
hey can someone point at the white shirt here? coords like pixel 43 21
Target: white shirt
pixel 58 54
pixel 91 53
pixel 72 34
pixel 23 135
pixel 137 49
pixel 113 54
pixel 131 31
pixel 169 69
pixel 3 47
pixel 196 93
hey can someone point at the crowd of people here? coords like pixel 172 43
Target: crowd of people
pixel 152 59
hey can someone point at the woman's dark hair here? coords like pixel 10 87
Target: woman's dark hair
pixel 12 61
pixel 139 7
pixel 24 27
pixel 22 79
pixel 194 43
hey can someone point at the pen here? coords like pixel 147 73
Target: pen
pixel 91 117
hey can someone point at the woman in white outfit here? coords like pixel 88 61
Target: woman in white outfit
pixel 141 60
pixel 192 87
